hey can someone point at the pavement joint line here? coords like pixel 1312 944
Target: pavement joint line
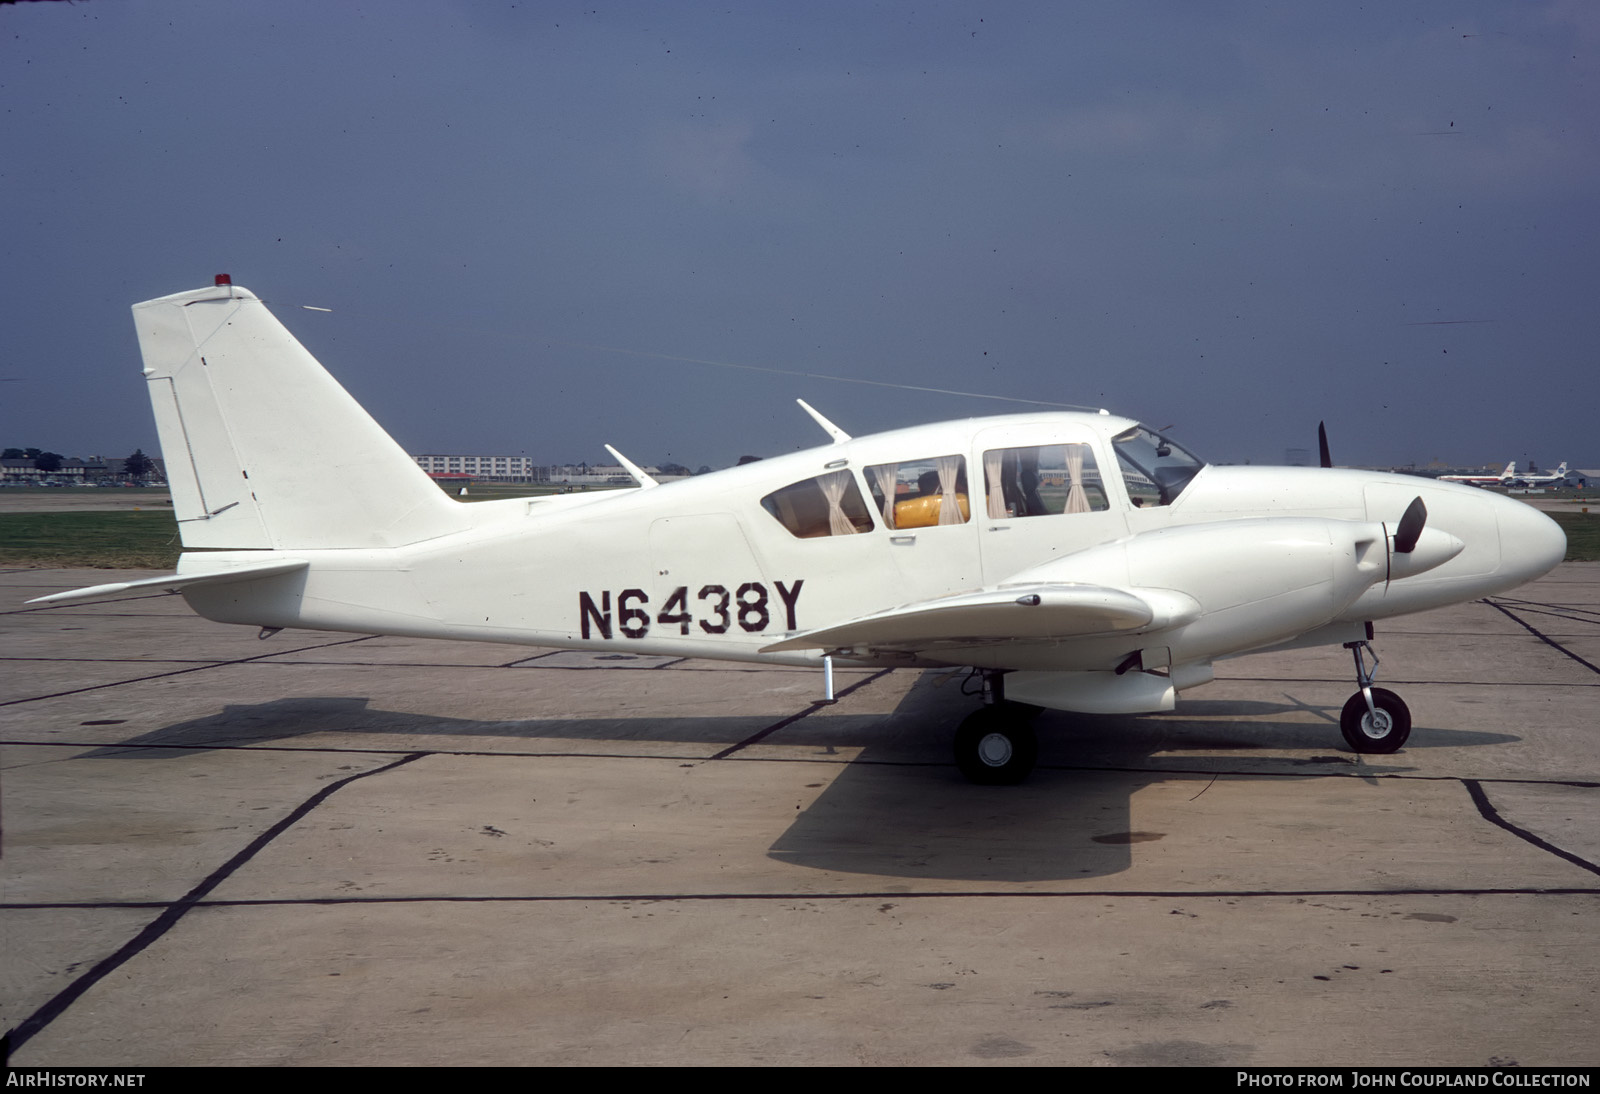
pixel 1560 611
pixel 1407 682
pixel 1492 815
pixel 863 894
pixel 35 1023
pixel 815 706
pixel 533 657
pixel 121 660
pixel 1354 770
pixel 544 668
pixel 180 672
pixel 1557 613
pixel 1546 639
pixel 262 659
pixel 679 665
pixel 1518 601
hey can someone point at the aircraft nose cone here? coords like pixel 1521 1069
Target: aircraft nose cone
pixel 1530 542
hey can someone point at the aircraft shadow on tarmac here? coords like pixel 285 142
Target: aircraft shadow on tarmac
pixel 1072 819
pixel 899 809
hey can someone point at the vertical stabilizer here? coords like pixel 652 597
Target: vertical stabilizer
pixel 264 449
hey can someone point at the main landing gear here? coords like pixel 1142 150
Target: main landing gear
pixel 995 744
pixel 1374 720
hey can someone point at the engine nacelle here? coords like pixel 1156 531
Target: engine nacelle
pixel 1258 581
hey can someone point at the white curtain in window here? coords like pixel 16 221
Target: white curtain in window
pixel 993 461
pixel 1077 500
pixel 949 510
pixel 833 488
pixel 885 476
pixel 785 501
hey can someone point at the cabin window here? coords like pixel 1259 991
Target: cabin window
pixel 828 505
pixel 1043 480
pixel 1154 469
pixel 921 493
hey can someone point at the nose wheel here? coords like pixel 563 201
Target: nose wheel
pixel 1374 720
pixel 1383 728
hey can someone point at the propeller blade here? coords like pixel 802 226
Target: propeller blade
pixel 1410 527
pixel 1322 444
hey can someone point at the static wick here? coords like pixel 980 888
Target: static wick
pixel 313 307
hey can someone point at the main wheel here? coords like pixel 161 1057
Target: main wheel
pixel 1381 733
pixel 996 746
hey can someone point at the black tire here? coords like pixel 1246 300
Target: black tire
pixel 1385 734
pixel 996 746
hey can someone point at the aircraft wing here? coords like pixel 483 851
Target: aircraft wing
pixel 174 582
pixel 1028 612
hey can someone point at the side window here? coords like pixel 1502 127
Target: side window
pixel 1042 480
pixel 828 505
pixel 921 493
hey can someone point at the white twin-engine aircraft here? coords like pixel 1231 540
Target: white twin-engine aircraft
pixel 1075 561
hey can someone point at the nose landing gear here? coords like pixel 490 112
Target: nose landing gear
pixel 1374 720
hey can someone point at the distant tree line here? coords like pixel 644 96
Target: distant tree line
pixel 136 466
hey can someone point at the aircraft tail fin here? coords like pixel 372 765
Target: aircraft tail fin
pixel 263 449
pixel 1510 472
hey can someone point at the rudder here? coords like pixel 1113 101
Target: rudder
pixel 263 448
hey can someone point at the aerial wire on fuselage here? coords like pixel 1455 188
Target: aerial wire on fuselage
pixel 724 364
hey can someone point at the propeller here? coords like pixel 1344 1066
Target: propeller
pixel 1322 445
pixel 1409 530
pixel 1415 548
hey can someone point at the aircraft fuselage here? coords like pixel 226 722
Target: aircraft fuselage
pixel 700 568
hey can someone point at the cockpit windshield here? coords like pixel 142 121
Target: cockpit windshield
pixel 1154 469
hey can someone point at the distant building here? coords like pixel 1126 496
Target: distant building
pixel 74 471
pixel 596 474
pixel 19 471
pixel 485 468
pixel 522 469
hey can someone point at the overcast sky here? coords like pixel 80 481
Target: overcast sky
pixel 531 220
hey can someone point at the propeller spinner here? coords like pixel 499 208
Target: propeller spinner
pixel 1415 548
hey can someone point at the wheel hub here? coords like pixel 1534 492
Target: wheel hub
pixel 1377 724
pixel 995 749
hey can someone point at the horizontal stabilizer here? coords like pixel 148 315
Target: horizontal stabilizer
pixel 174 582
pixel 1015 612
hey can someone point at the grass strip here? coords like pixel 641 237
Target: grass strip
pixel 1583 535
pixel 142 540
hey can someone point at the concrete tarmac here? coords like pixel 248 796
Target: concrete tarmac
pixel 84 500
pixel 344 849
